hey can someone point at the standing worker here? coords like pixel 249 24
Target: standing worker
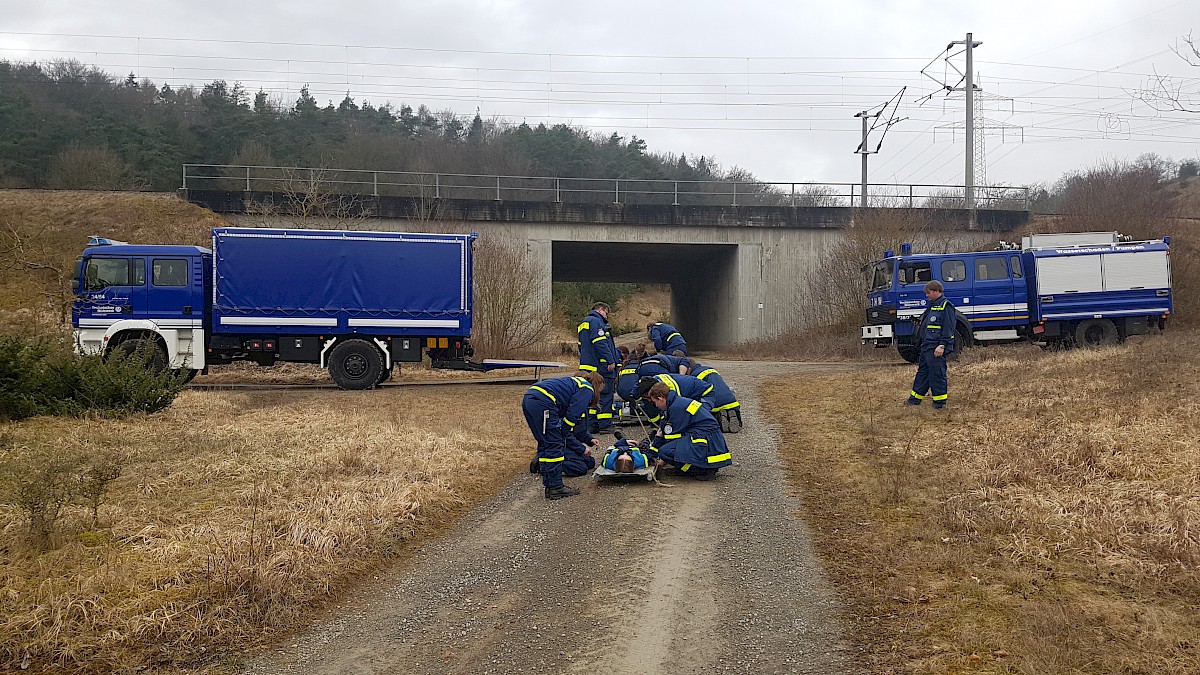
pixel 555 410
pixel 936 339
pixel 598 354
pixel 666 339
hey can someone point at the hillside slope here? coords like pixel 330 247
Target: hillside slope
pixel 43 231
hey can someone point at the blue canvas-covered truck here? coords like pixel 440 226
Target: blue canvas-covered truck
pixel 353 302
pixel 1058 290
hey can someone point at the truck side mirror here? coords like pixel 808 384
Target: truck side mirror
pixel 75 284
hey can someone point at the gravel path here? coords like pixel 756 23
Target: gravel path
pixel 697 577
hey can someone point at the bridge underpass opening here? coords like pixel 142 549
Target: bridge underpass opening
pixel 707 300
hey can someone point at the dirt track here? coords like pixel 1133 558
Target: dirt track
pixel 626 578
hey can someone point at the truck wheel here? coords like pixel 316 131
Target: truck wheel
pixel 910 353
pixel 385 374
pixel 1095 333
pixel 146 349
pixel 355 364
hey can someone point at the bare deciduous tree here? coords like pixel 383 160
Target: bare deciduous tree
pixel 1169 93
pixel 90 168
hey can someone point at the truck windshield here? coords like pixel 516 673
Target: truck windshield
pixel 881 275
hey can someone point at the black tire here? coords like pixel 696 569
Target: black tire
pixel 385 374
pixel 910 353
pixel 147 350
pixel 1096 333
pixel 356 364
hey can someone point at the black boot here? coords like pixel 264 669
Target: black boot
pixel 560 492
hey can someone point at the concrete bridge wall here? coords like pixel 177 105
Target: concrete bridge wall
pixel 735 274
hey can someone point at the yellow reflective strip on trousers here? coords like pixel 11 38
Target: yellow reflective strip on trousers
pixel 940 397
pixel 685 467
pixel 699 440
pixel 551 460
pixel 916 395
pixel 671 437
pixel 731 406
pixel 705 373
pixel 693 407
pixel 587 367
pixel 548 394
pixel 713 459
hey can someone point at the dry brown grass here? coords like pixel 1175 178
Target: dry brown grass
pixel 1048 522
pixel 43 231
pixel 239 512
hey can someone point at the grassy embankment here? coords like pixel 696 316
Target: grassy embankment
pixel 1047 522
pixel 237 513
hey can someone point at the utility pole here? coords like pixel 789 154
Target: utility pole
pixel 969 88
pixel 863 149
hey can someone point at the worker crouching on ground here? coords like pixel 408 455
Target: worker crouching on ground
pixel 598 354
pixel 666 339
pixel 682 385
pixel 556 412
pixel 690 438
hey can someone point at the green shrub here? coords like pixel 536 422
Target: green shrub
pixel 39 379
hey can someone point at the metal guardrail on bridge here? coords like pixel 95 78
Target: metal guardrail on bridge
pixel 546 189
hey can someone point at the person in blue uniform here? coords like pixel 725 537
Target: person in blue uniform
pixel 936 339
pixel 556 412
pixel 598 354
pixel 683 385
pixel 689 438
pixel 666 339
pixel 722 396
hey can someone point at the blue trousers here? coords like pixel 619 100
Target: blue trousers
pixel 548 430
pixel 931 378
pixel 576 463
pixel 605 411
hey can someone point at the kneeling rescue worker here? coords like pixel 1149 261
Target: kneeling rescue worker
pixel 556 410
pixel 690 438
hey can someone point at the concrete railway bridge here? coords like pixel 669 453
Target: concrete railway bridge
pixel 734 269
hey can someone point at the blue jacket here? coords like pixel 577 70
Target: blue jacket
pixel 722 396
pixel 937 325
pixel 682 385
pixel 627 379
pixel 597 351
pixel 666 339
pixel 691 436
pixel 568 399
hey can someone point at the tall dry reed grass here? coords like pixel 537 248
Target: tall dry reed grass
pixel 1048 522
pixel 237 513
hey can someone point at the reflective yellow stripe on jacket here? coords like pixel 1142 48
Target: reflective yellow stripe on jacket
pixel 548 394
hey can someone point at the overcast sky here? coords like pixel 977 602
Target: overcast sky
pixel 771 87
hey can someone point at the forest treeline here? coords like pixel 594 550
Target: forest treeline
pixel 67 125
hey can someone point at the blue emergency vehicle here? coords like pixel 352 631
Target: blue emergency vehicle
pixel 354 302
pixel 1077 289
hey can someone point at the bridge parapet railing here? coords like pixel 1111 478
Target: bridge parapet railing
pixel 598 191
